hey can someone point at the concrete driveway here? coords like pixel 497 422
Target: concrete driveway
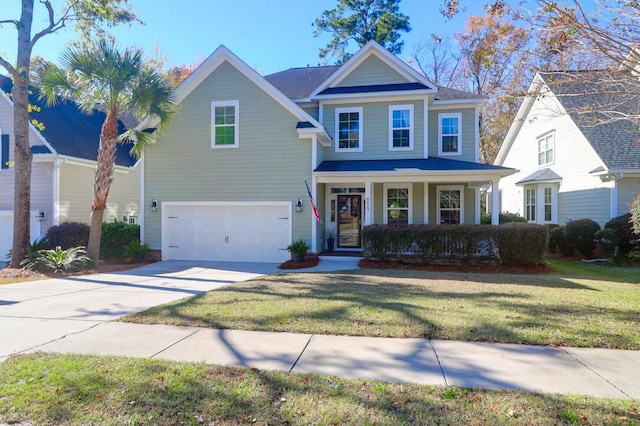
pixel 36 313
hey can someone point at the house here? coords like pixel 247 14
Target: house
pixel 64 142
pixel 374 139
pixel 577 151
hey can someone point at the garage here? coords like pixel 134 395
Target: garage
pixel 220 231
pixel 6 231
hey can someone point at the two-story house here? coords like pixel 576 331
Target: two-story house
pixel 576 144
pixel 376 141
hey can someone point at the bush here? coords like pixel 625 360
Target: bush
pixel 57 260
pixel 115 237
pixel 623 236
pixel 135 250
pixel 635 214
pixel 522 244
pixel 504 217
pixel 581 235
pixel 68 234
pixel 607 240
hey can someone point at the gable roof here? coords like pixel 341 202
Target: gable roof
pixel 68 130
pixel 598 102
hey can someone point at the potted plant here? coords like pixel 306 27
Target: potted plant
pixel 331 238
pixel 298 250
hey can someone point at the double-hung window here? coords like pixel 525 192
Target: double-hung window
pixel 224 124
pixel 450 134
pixel 546 149
pixel 450 205
pixel 548 205
pixel 530 204
pixel 397 204
pixel 400 127
pixel 349 129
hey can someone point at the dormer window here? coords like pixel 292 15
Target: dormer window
pixel 349 129
pixel 450 134
pixel 546 145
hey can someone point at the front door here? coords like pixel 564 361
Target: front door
pixel 349 220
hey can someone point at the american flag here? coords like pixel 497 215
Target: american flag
pixel 313 204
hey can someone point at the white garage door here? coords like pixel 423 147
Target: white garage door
pixel 240 232
pixel 6 231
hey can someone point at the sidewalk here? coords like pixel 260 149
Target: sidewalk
pixel 77 314
pixel 593 372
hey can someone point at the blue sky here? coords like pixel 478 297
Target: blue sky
pixel 269 35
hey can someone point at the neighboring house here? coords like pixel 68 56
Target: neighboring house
pixel 375 140
pixel 64 142
pixel 577 154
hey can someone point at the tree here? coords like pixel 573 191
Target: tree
pixel 437 59
pixel 361 21
pixel 120 83
pixel 87 15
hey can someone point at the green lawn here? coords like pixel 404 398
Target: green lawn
pixel 578 305
pixel 87 390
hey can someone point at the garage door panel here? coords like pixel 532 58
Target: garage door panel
pixel 255 233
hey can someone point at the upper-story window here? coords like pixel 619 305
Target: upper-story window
pixel 546 149
pixel 349 129
pixel 400 127
pixel 450 134
pixel 224 124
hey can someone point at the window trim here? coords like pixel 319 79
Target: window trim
pixel 530 204
pixel 236 125
pixel 439 190
pixel 440 135
pixel 385 206
pixel 339 111
pixel 544 137
pixel 392 109
pixel 545 204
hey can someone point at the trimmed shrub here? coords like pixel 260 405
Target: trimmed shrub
pixel 607 240
pixel 624 235
pixel 581 235
pixel 556 239
pixel 522 244
pixel 634 209
pixel 68 235
pixel 115 237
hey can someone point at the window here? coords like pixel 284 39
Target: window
pixel 530 204
pixel 400 127
pixel 547 205
pixel 545 149
pixel 397 204
pixel 450 134
pixel 224 124
pixel 349 129
pixel 450 205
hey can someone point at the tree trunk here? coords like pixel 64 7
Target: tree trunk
pixel 22 151
pixel 103 180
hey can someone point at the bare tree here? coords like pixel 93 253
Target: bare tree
pixel 438 60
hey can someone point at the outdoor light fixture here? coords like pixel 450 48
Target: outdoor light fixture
pixel 41 216
pixel 154 205
pixel 299 206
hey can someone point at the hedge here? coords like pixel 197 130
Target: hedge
pixel 457 244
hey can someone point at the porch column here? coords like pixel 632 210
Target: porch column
pixel 368 203
pixel 495 203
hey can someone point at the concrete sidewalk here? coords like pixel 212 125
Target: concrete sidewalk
pixel 594 372
pixel 76 314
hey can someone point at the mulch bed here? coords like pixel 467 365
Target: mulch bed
pixel 541 268
pixel 308 263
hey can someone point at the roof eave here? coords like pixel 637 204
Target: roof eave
pixel 374 94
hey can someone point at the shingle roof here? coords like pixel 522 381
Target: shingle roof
pixel 422 164
pixel 69 131
pixel 598 102
pixel 542 175
pixel 299 83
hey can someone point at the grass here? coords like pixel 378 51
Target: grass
pixel 577 305
pixel 49 389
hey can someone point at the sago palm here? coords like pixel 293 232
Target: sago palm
pixel 117 82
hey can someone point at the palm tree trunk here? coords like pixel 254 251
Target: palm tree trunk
pixel 103 180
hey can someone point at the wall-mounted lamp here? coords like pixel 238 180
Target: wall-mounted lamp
pixel 154 205
pixel 41 216
pixel 299 206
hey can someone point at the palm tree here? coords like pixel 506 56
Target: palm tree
pixel 117 82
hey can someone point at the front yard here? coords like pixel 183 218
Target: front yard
pixel 576 305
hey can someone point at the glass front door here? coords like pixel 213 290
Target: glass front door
pixel 349 214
